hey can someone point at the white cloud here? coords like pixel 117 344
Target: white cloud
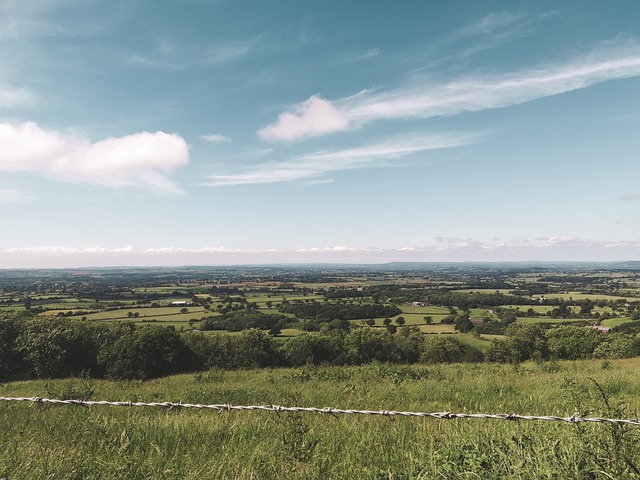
pixel 141 160
pixel 311 118
pixel 320 163
pixel 425 99
pixel 215 137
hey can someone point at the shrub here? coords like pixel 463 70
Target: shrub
pixel 146 352
pixel 570 342
pixel 311 348
pixel 441 349
pixel 617 345
pixel 11 359
pixel 57 347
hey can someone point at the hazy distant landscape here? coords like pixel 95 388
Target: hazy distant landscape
pixel 531 339
pixel 357 208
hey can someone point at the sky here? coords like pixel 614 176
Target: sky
pixel 183 132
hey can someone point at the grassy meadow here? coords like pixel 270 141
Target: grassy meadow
pixel 71 442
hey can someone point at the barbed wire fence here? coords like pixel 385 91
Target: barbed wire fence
pixel 325 410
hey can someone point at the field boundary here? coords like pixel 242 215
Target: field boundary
pixel 326 410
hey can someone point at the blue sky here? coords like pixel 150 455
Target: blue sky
pixel 141 132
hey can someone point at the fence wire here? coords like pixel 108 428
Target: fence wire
pixel 225 407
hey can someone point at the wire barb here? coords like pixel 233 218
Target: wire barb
pixel 226 407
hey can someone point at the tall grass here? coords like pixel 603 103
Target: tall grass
pixel 42 441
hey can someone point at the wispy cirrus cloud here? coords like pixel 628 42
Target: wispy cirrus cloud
pixel 18 17
pixel 425 98
pixel 371 53
pixel 11 97
pixel 139 160
pixel 490 23
pixel 318 164
pixel 215 138
pixel 167 55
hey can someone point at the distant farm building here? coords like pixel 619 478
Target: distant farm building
pixel 180 303
pixel 601 329
pixel 419 304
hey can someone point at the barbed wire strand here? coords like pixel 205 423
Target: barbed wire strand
pixel 327 410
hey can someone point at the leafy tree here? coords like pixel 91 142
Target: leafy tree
pixel 462 323
pixel 400 321
pixel 275 330
pixel 146 352
pixel 448 320
pixel 211 351
pixel 364 345
pixel 444 349
pixel 409 342
pixel 326 312
pixel 244 320
pixel 617 345
pixel 502 351
pixel 586 308
pixel 253 349
pixel 57 347
pixel 570 342
pixel 311 349
pixel 562 311
pixel 11 359
pixel 523 342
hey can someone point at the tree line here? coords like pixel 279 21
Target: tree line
pixel 36 347
pixel 326 312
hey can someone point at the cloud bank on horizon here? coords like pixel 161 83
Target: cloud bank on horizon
pixel 443 250
pixel 388 127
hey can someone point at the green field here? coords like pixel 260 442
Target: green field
pixel 71 442
pixel 614 322
pixel 159 313
pixel 568 321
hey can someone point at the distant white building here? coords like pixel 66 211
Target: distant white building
pixel 179 303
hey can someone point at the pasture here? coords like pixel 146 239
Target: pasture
pixel 70 442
